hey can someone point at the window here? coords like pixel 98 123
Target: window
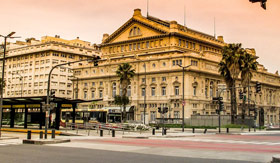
pixel 153 116
pixel 163 91
pixel 194 105
pixel 85 94
pixel 211 89
pixel 147 44
pixel 176 114
pixel 135 31
pixel 122 48
pixel 163 79
pixel 134 46
pixel 163 64
pixel 93 84
pixel 206 91
pixel 100 93
pixel 176 90
pixel 180 42
pixel 101 83
pixel 194 90
pixel 154 65
pixel 130 47
pixel 153 80
pixel 92 94
pixel 177 62
pixel 129 91
pixel 114 89
pixel 143 91
pixel 193 63
pixel 153 91
pixel 143 80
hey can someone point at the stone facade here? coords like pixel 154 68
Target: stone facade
pixel 155 48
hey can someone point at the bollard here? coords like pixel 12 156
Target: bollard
pixel 227 130
pixel 113 133
pixel 249 129
pixel 53 134
pixel 101 133
pixel 205 130
pixel 29 134
pixel 154 131
pixel 164 131
pixel 41 134
pixel 254 128
pixel 193 130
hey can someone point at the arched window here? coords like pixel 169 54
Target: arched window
pixel 129 91
pixel 135 31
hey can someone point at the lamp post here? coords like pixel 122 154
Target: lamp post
pixel 94 59
pixel 183 98
pixel 3 70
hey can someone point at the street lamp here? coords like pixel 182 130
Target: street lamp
pixel 94 59
pixel 3 70
pixel 183 99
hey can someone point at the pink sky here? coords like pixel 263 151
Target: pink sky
pixel 237 20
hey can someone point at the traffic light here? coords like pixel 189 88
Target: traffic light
pixel 241 95
pixel 258 87
pixel 221 105
pixel 263 3
pixel 159 109
pixel 52 95
pixel 165 109
pixel 96 60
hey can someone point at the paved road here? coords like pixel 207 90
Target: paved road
pixel 50 154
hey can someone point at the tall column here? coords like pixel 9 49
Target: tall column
pixel 57 116
pixel 25 115
pixel 74 112
pixel 12 120
pixel 42 117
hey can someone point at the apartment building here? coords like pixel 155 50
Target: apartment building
pixel 28 65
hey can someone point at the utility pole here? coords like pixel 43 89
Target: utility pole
pixel 3 72
pixel 183 98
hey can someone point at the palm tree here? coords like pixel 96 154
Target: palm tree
pixel 230 70
pixel 248 65
pixel 125 73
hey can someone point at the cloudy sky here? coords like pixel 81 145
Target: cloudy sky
pixel 239 21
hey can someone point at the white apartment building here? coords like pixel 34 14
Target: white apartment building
pixel 29 63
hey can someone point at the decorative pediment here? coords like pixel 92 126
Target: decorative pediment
pixel 92 88
pixel 134 29
pixel 163 84
pixel 176 83
pixel 142 85
pixel 194 84
pixel 153 85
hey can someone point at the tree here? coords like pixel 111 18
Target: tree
pixel 248 65
pixel 125 73
pixel 120 101
pixel 230 70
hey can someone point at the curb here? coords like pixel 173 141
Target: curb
pixel 32 131
pixel 42 141
pixel 136 137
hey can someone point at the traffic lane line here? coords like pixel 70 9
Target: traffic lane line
pixel 191 145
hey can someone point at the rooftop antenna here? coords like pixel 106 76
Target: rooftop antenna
pixel 215 27
pixel 147 8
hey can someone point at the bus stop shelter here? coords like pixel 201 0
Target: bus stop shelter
pixel 32 109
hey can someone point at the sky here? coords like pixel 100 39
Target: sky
pixel 239 21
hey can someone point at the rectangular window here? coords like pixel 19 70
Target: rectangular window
pixel 134 46
pixel 194 63
pixel 163 79
pixel 101 83
pixel 147 44
pixel 163 91
pixel 153 91
pixel 143 91
pixel 153 116
pixel 194 91
pixel 180 42
pixel 86 85
pixel 176 114
pixel 176 90
pixel 92 94
pixel 130 47
pixel 194 46
pixel 143 80
pixel 122 48
pixel 153 80
pixel 93 84
pixel 100 93
pixel 138 46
